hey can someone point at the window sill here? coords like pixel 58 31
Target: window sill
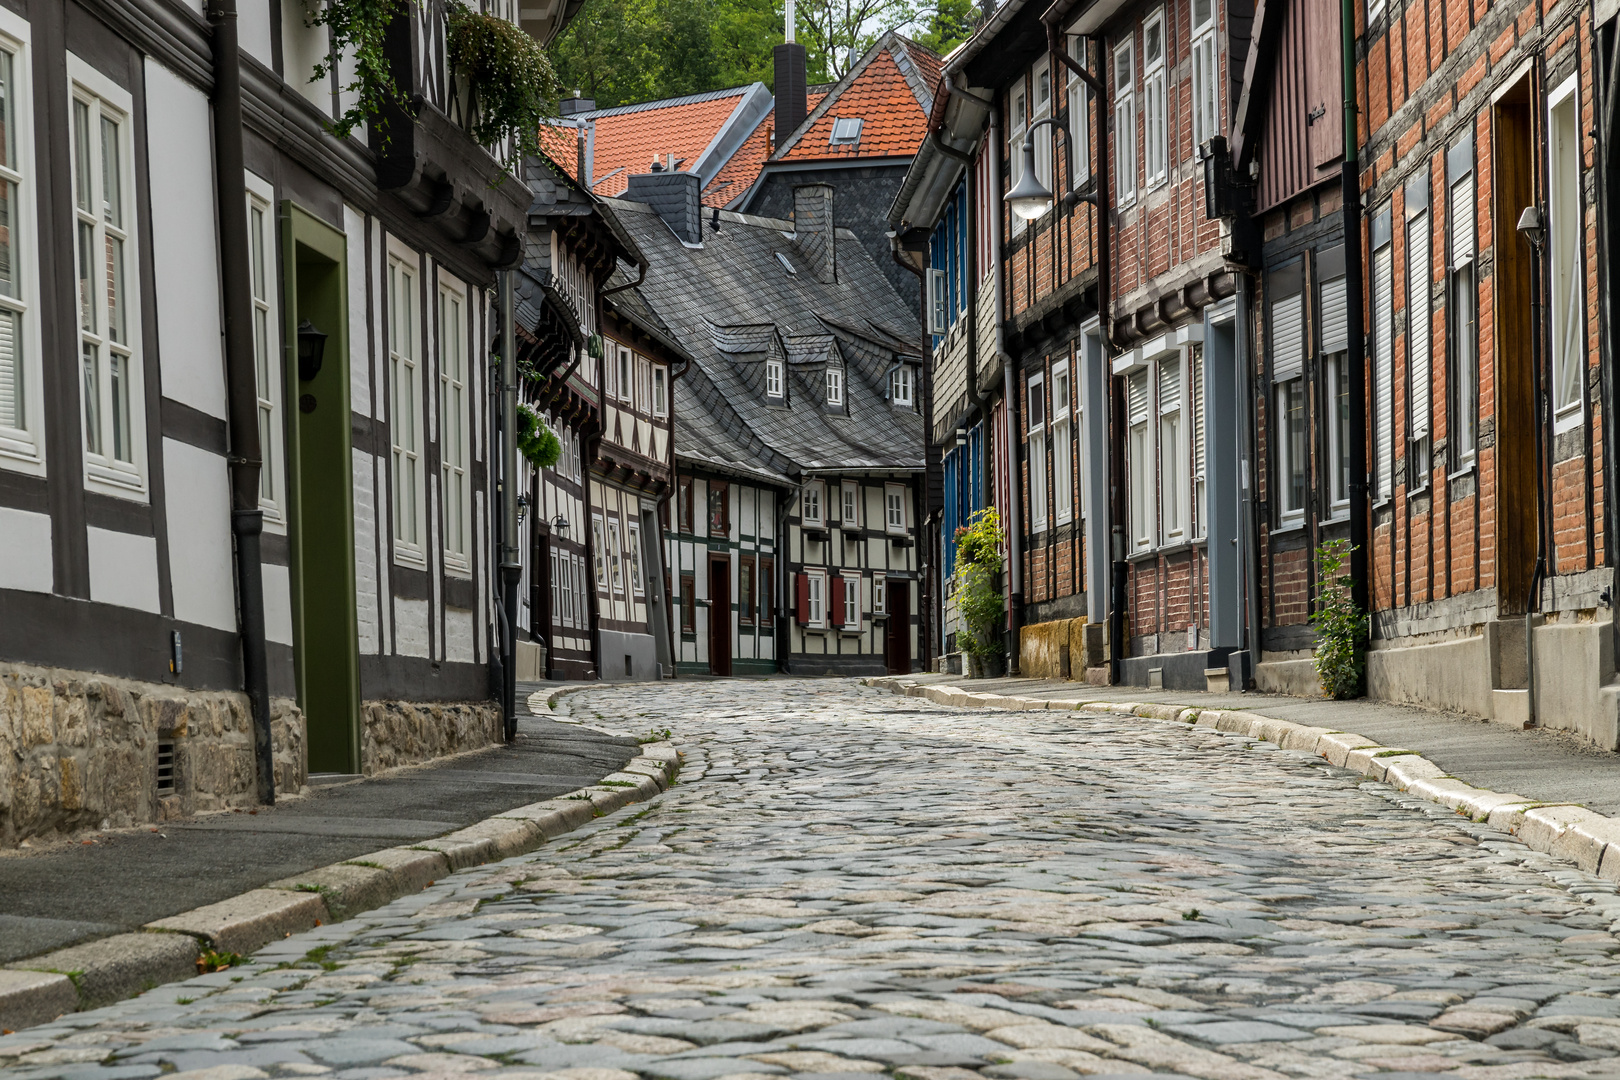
pixel 1287 528
pixel 413 559
pixel 115 482
pixel 21 456
pixel 1462 470
pixel 900 540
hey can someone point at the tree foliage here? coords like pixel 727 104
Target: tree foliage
pixel 979 602
pixel 1341 626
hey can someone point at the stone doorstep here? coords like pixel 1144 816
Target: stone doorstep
pixel 1586 838
pixel 38 990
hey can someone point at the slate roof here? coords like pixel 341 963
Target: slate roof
pixel 731 304
pixel 891 89
pixel 739 173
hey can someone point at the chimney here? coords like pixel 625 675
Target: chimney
pixel 577 104
pixel 790 90
pixel 813 230
pixel 677 198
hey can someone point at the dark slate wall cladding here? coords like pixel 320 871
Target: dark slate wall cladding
pixel 677 198
pixel 813 226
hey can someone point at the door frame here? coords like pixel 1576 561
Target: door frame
pixel 720 616
pixel 899 629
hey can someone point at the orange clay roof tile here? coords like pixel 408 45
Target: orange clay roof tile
pixel 739 173
pixel 626 142
pixel 894 122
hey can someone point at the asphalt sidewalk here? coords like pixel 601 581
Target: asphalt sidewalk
pixel 1542 764
pixel 122 880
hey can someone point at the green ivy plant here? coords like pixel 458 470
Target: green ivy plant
pixel 535 439
pixel 1341 626
pixel 979 603
pixel 512 87
pixel 358 29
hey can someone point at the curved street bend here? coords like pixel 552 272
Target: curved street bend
pixel 846 884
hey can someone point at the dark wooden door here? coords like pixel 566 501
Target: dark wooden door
pixel 1515 403
pixel 720 617
pixel 540 595
pixel 897 639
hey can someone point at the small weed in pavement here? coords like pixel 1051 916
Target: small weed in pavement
pixel 655 735
pixel 1193 915
pixel 184 1001
pixel 614 783
pixel 213 960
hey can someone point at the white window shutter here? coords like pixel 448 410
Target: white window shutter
pixel 1419 319
pixel 1383 370
pixel 1288 337
pixel 1462 220
pixel 1136 397
pixel 1169 385
pixel 1335 316
pixel 1195 373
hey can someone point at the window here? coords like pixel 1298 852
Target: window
pixel 767 590
pixel 688 604
pixel 835 386
pixel 901 380
pixel 880 599
pixel 1463 307
pixel 581 604
pixel 1079 117
pixel 597 552
pixel 894 502
pixel 852 601
pixel 745 589
pixel 1063 493
pixel 1017 120
pixel 1037 454
pixel 405 425
pixel 683 505
pixel 578 456
pixel 773 377
pixel 556 589
pixel 643 399
pixel 1125 120
pixel 1565 236
pixel 719 509
pixel 1195 380
pixel 813 598
pixel 1338 390
pixel 851 507
pixel 1382 450
pixel 939 302
pixel 22 401
pixel 114 405
pixel 846 131
pixel 1172 458
pixel 1375 11
pixel 633 550
pixel 1139 452
pixel 1288 346
pixel 615 556
pixel 1154 135
pixel 1041 83
pixel 266 339
pixel 1419 323
pixel 660 390
pixel 625 376
pixel 1206 102
pixel 810 511
pixel 453 411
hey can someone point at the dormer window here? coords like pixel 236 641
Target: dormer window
pixel 901 381
pixel 773 378
pixel 835 386
pixel 846 131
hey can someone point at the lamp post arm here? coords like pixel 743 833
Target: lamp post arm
pixel 1068 150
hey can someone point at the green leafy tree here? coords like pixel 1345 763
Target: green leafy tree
pixel 979 604
pixel 948 25
pixel 1341 626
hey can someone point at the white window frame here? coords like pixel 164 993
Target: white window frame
pixel 1035 392
pixel 632 541
pixel 406 392
pixel 894 509
pixel 1155 109
pixel 1140 449
pixel 1462 300
pixel 835 385
pixel 1206 76
pixel 851 584
pixel 812 503
pixel 1079 118
pixel 1336 368
pixel 106 472
pixel 902 382
pixel 660 391
pixel 849 508
pixel 581 591
pixel 1288 514
pixel 1174 462
pixel 1040 88
pixel 1017 122
pixel 773 378
pixel 598 555
pixel 556 588
pixel 880 594
pixel 816 597
pixel 624 376
pixel 22 447
pixel 455 423
pixel 1125 164
pixel 267 356
pixel 939 303
pixel 1059 402
pixel 1566 243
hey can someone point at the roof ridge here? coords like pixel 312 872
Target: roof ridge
pixel 667 103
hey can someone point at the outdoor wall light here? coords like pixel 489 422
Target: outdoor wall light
pixel 559 525
pixel 1531 225
pixel 311 350
pixel 523 506
pixel 1030 198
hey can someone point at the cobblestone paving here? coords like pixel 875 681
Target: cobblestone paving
pixel 846 884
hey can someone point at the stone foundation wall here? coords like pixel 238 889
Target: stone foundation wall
pixel 80 751
pixel 396 733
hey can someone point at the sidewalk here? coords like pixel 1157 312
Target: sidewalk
pixel 1549 766
pixel 63 895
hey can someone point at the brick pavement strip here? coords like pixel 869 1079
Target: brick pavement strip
pixel 848 886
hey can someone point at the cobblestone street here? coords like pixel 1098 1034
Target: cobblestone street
pixel 846 883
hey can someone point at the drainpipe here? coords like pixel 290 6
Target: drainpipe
pixel 664 508
pixel 1015 568
pixel 245 461
pixel 1539 356
pixel 920 482
pixel 511 568
pixel 1350 191
pixel 784 622
pixel 1606 319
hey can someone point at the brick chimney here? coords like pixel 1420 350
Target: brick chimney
pixel 676 196
pixel 813 230
pixel 790 90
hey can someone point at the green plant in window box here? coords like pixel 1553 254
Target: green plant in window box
pixel 358 29
pixel 1341 626
pixel 535 439
pixel 979 602
pixel 510 87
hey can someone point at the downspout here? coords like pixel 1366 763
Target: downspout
pixel 511 566
pixel 1350 192
pixel 918 489
pixel 1605 70
pixel 665 512
pixel 784 622
pixel 245 461
pixel 1544 421
pixel 1015 556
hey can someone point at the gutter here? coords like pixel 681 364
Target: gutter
pixel 245 461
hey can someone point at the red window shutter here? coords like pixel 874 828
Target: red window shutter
pixel 803 582
pixel 836 586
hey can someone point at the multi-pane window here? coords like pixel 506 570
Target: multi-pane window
pixel 851 505
pixel 1017 120
pixel 1037 454
pixel 556 589
pixel 625 376
pixel 1155 136
pixel 1079 117
pixel 688 604
pixel 660 390
pixel 20 399
pixel 453 413
pixel 1463 311
pixel 581 604
pixel 835 385
pixel 1139 454
pixel 104 243
pixel 851 584
pixel 1041 84
pixel 880 588
pixel 901 381
pixel 596 552
pixel 1382 451
pixel 1206 102
pixel 1172 459
pixel 266 359
pixel 1288 344
pixel 810 503
pixel 405 424
pixel 1419 376
pixel 1063 493
pixel 815 598
pixel 894 505
pixel 1335 319
pixel 719 508
pixel 773 377
pixel 1125 119
pixel 1564 234
pixel 745 589
pixel 633 549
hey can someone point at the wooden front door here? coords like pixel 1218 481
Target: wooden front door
pixel 540 595
pixel 897 639
pixel 1515 374
pixel 720 617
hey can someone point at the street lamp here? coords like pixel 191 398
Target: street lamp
pixel 1030 198
pixel 559 524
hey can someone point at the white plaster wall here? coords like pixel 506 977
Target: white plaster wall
pixel 123 569
pixel 253 28
pixel 198 498
pixel 458 636
pixel 365 554
pixel 183 242
pixel 278 624
pixel 411 627
pixel 354 228
pixel 302 47
pixel 26 540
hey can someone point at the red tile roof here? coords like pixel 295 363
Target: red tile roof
pixel 738 174
pixel 560 143
pixel 626 142
pixel 893 111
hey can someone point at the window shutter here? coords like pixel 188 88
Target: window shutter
pixel 1169 385
pixel 1136 397
pixel 1335 316
pixel 1288 337
pixel 1195 372
pixel 836 600
pixel 1419 320
pixel 1383 369
pixel 11 411
pixel 1462 220
pixel 802 581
